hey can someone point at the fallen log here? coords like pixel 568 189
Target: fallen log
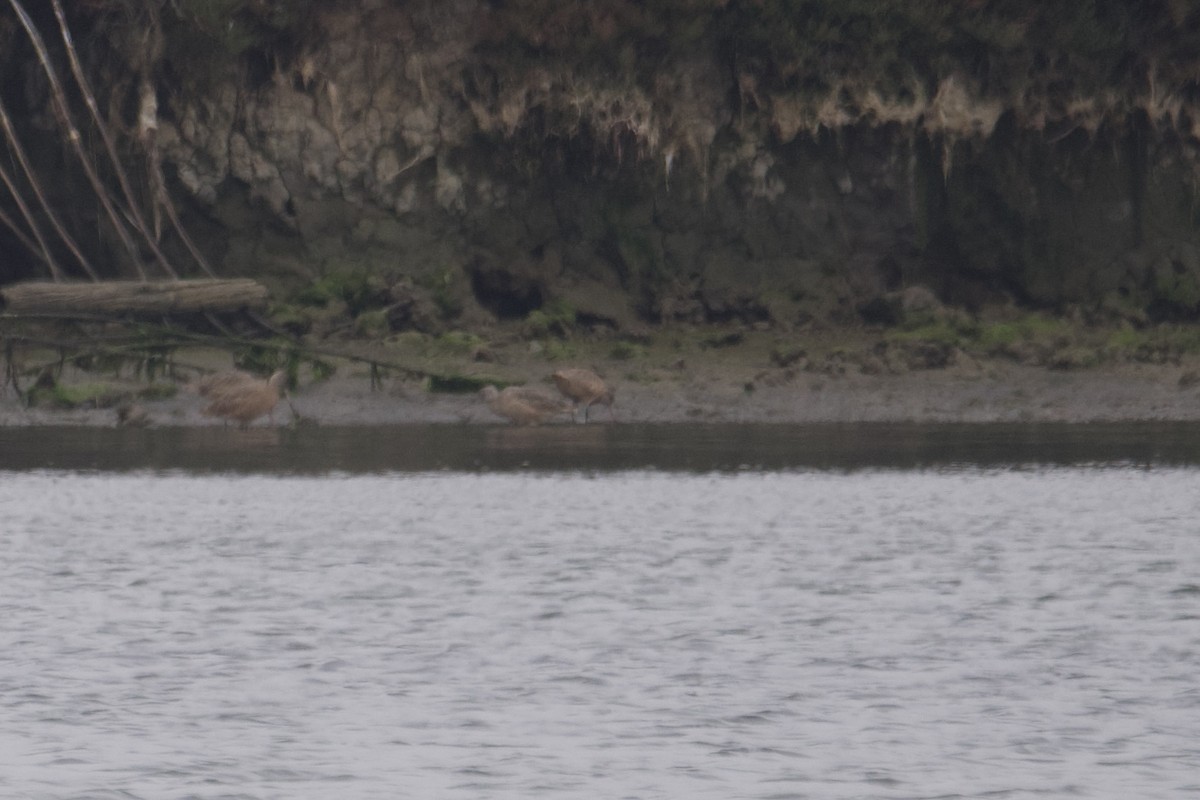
pixel 134 297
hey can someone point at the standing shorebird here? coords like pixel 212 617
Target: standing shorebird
pixel 219 383
pixel 523 405
pixel 586 388
pixel 241 397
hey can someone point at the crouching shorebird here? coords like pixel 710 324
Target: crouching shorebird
pixel 586 388
pixel 523 405
pixel 241 397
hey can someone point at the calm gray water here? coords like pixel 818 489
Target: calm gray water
pixel 695 448
pixel 1020 630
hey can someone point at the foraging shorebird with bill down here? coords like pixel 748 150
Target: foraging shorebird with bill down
pixel 241 397
pixel 586 388
pixel 523 405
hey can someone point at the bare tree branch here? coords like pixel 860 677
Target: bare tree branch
pixel 30 175
pixel 73 137
pixel 39 248
pixel 147 133
pixel 90 101
pixel 15 229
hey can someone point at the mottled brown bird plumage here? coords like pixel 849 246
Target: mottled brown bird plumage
pixel 241 397
pixel 220 382
pixel 584 388
pixel 523 405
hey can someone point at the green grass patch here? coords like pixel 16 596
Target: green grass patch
pixel 158 390
pixel 556 318
pixel 1179 340
pixel 358 289
pixel 1182 338
pixel 372 323
pixel 443 288
pixel 410 341
pixel 458 343
pixel 937 332
pixel 1127 339
pixel 1179 290
pixel 78 395
pixel 294 320
pixel 627 351
pixel 321 370
pixel 997 336
pixel 1075 358
pixel 557 350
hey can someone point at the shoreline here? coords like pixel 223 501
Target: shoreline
pixel 993 391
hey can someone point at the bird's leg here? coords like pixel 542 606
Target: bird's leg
pixel 296 418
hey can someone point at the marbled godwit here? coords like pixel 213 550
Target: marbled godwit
pixel 523 405
pixel 218 383
pixel 582 386
pixel 244 399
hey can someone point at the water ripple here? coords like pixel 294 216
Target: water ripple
pixel 876 634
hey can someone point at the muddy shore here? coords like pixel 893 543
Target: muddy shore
pixel 724 388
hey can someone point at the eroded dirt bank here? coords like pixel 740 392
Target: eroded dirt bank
pixel 438 166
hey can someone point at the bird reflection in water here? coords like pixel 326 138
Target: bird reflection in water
pixel 565 438
pixel 210 445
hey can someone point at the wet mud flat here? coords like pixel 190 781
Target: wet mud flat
pixel 718 393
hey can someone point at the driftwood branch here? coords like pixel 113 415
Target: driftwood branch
pixel 134 297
